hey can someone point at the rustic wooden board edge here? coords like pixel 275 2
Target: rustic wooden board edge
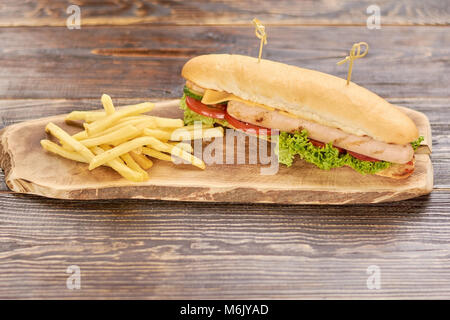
pixel 234 194
pixel 227 195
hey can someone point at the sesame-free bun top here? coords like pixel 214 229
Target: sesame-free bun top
pixel 305 93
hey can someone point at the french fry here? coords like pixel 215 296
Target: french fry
pixel 117 151
pixel 182 145
pixel 87 116
pixel 110 120
pixel 91 116
pixel 138 122
pixel 131 118
pixel 175 151
pixel 133 164
pixel 140 117
pixel 125 133
pixel 106 147
pixel 142 160
pixel 120 167
pixel 67 139
pixel 56 149
pixel 181 134
pixel 107 104
pixel 117 165
pixel 80 135
pixel 215 132
pixel 118 142
pixel 146 123
pixel 66 146
pixel 165 147
pixel 140 126
pixel 124 139
pixel 158 134
pixel 168 123
pixel 141 122
pixel 156 154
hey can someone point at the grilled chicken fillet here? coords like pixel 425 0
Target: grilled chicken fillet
pixel 360 144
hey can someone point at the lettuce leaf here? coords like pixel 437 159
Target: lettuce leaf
pixel 189 93
pixel 416 144
pixel 325 158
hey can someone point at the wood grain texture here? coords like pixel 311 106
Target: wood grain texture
pixel 143 61
pixel 157 249
pixel 311 12
pixel 30 169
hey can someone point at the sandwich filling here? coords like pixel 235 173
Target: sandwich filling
pixel 323 146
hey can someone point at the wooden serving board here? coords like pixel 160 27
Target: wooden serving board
pixel 30 169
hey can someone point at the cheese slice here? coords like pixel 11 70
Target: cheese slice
pixel 213 97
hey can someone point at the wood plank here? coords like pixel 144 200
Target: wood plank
pixel 125 12
pixel 158 249
pixel 144 61
pixel 436 109
pixel 30 169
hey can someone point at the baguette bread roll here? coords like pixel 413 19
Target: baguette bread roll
pixel 307 94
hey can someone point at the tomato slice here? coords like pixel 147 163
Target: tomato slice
pixel 247 127
pixel 221 106
pixel 362 157
pixel 204 110
pixel 317 143
pixel 322 145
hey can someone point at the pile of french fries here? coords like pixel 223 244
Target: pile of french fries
pixel 126 139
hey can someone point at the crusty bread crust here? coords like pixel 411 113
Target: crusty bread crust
pixel 309 94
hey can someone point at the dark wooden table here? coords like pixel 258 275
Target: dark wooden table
pixel 134 51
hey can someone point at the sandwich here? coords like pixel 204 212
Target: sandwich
pixel 320 118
